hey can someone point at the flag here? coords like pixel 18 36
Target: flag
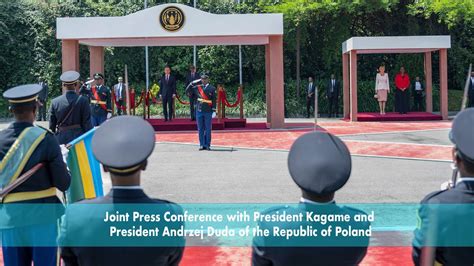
pixel 86 178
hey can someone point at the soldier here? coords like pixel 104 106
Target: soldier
pixel 85 90
pixel 205 96
pixel 445 234
pixel 70 113
pixel 320 164
pixel 101 102
pixel 123 145
pixel 42 99
pixel 31 150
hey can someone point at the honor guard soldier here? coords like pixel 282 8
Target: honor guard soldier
pixel 444 233
pixel 32 169
pixel 320 164
pixel 70 112
pixel 101 102
pixel 123 145
pixel 205 95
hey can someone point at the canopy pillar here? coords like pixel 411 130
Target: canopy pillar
pixel 345 84
pixel 96 54
pixel 353 86
pixel 274 82
pixel 443 83
pixel 428 83
pixel 70 55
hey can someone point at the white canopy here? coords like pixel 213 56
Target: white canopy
pixel 143 28
pixel 396 44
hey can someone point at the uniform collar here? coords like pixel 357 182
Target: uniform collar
pixel 303 200
pixel 129 192
pixel 465 179
pixel 21 124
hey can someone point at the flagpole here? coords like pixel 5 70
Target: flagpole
pixel 194 47
pixel 146 64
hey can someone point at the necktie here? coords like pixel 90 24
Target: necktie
pixel 167 77
pixel 120 90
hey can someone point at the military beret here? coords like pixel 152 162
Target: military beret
pixel 23 94
pixel 123 143
pixel 319 163
pixel 462 133
pixel 69 77
pixel 98 76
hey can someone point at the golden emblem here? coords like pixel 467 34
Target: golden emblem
pixel 172 18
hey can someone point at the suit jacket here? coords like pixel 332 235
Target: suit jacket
pixel 447 225
pixel 104 95
pixel 335 92
pixel 413 87
pixel 471 88
pixel 312 90
pixel 167 88
pixel 43 95
pixel 81 116
pixel 280 252
pixel 123 91
pixel 190 78
pixel 52 174
pixel 74 224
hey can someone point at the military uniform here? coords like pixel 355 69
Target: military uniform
pixel 205 96
pixel 116 146
pixel 70 113
pixel 25 142
pixel 319 164
pixel 446 227
pixel 101 102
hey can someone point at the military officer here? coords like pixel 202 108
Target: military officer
pixel 101 102
pixel 445 234
pixel 70 112
pixel 123 145
pixel 320 164
pixel 30 149
pixel 205 95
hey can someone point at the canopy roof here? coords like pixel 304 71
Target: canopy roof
pixel 144 28
pixel 396 44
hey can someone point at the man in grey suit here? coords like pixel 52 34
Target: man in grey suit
pixel 332 94
pixel 42 99
pixel 120 94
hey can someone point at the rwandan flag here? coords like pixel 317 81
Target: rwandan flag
pixel 86 179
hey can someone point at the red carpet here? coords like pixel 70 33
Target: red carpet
pixel 411 116
pixel 185 124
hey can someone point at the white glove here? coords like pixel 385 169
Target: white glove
pixel 109 115
pixel 64 152
pixel 213 114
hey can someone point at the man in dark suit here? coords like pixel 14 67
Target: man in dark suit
pixel 123 145
pixel 444 233
pixel 320 164
pixel 167 93
pixel 310 96
pixel 29 232
pixel 471 91
pixel 42 100
pixel 418 90
pixel 70 112
pixel 190 77
pixel 332 94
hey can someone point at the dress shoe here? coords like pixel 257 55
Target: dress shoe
pixel 208 148
pixel 201 148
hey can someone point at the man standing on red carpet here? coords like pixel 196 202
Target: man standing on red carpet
pixel 402 82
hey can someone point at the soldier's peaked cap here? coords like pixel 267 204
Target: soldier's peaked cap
pixel 319 163
pixel 462 133
pixel 23 94
pixel 98 76
pixel 70 77
pixel 123 143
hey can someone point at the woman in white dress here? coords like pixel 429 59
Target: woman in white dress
pixel 382 88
